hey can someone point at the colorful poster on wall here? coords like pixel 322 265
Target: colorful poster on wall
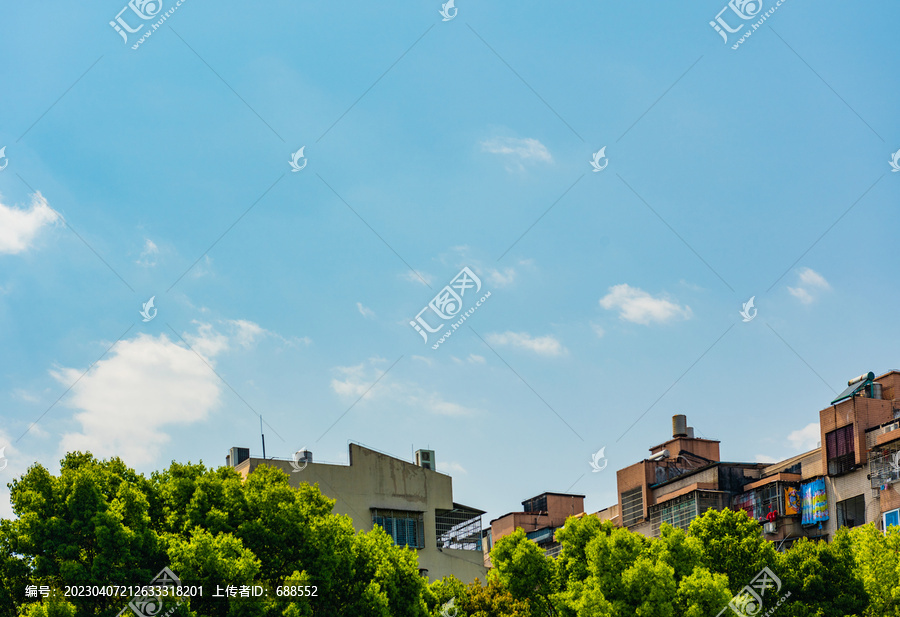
pixel 814 501
pixel 792 501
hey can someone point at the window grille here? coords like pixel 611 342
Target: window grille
pixel 405 528
pixel 884 465
pixel 632 506
pixel 459 528
pixel 840 450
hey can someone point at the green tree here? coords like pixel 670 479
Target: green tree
pixel 702 593
pixel 822 578
pixel 877 557
pixel 732 545
pixel 522 567
pixel 492 600
pixel 56 605
pixel 208 560
pixel 15 572
pixel 89 526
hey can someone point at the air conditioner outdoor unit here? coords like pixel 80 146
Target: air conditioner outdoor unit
pixel 769 527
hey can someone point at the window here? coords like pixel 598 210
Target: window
pixel 405 528
pixel 840 451
pixel 632 506
pixel 536 504
pixel 891 518
pixel 851 512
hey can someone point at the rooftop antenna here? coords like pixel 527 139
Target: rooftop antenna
pixel 263 436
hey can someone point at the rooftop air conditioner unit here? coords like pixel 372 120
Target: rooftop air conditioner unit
pixel 769 527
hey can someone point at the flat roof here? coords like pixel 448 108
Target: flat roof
pixel 553 493
pixel 691 438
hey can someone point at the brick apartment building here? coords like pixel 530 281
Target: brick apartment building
pixel 852 478
pixel 540 518
pixel 848 481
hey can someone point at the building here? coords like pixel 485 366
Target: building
pixel 852 480
pixel 540 518
pixel 680 480
pixel 860 460
pixel 412 502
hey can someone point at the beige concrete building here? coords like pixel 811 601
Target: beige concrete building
pixel 412 502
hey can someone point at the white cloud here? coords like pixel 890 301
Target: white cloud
pixel 809 282
pixel 357 381
pixel 801 294
pixel 476 359
pixel 246 333
pixel 148 255
pixel 598 330
pixel 450 467
pixel 638 306
pixel 207 342
pixel 542 345
pixel 25 395
pixel 527 149
pixel 501 279
pixel 18 228
pixel 806 438
pixel 127 401
pixel 422 278
pixel 365 311
pixel 765 458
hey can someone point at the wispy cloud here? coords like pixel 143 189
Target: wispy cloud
pixel 356 381
pixel 541 345
pixel 517 151
pixel 809 283
pixel 638 306
pixel 18 228
pixel 451 467
pixel 806 438
pixel 525 149
pixel 365 311
pixel 422 278
pixel 149 254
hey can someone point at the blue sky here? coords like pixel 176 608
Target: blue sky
pixel 431 146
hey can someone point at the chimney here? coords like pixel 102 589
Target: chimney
pixel 679 426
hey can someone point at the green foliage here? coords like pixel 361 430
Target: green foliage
pixel 522 567
pixel 101 523
pixel 702 593
pixel 822 578
pixel 732 545
pixel 55 605
pixel 877 558
pixel 452 597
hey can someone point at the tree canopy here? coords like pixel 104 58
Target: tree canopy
pixel 100 523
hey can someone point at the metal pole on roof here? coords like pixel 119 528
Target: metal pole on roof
pixel 263 436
